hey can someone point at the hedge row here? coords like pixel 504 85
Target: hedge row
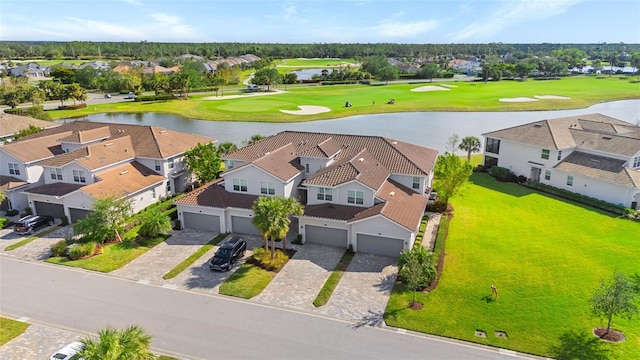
pixel 579 198
pixel 155 97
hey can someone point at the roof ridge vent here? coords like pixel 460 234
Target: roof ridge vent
pixel 607 137
pixel 163 131
pixel 361 159
pixel 537 125
pixel 124 172
pixel 108 144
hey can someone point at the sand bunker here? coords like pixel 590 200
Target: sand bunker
pixel 449 86
pixel 430 88
pixel 551 97
pixel 307 110
pixel 518 99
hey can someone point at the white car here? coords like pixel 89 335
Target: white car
pixel 68 352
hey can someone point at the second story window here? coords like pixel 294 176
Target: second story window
pixel 78 176
pixel 14 169
pixel 306 168
pixel 559 155
pixel 171 163
pixel 325 194
pixel 355 197
pixel 636 162
pixel 158 165
pixel 545 154
pixel 240 185
pixel 56 174
pixel 415 183
pixel 492 146
pixel 266 188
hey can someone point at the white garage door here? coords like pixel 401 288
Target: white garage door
pixel 325 236
pixel 243 225
pixel 201 221
pixel 380 245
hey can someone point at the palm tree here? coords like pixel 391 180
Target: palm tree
pixel 112 344
pixel 272 216
pixel 154 223
pixel 470 144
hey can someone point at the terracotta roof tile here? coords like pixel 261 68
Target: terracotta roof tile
pixel 215 195
pixel 96 156
pixel 85 136
pixel 402 205
pixel 123 181
pixel 334 211
pixel 31 149
pixel 282 163
pixel 11 124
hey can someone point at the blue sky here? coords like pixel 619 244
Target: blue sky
pixel 320 21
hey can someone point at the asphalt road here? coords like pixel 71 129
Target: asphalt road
pixel 198 326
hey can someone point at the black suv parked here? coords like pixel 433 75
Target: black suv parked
pixel 29 224
pixel 228 253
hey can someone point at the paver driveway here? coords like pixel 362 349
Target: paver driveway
pixel 38 249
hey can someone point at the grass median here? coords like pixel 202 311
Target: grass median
pixel 246 282
pixel 193 257
pixel 10 329
pixel 545 255
pixel 332 282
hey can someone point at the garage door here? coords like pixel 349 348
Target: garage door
pixel 201 221
pixel 325 236
pixel 78 214
pixel 243 225
pixel 380 245
pixel 43 208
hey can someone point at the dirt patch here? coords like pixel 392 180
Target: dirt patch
pixel 307 110
pixel 612 336
pixel 430 88
pixel 416 305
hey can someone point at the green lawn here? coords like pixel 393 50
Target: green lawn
pixel 332 282
pixel 546 256
pixel 193 257
pixel 583 91
pixel 113 257
pixel 9 329
pixel 248 281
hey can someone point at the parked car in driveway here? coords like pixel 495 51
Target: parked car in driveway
pixel 68 352
pixel 29 224
pixel 228 253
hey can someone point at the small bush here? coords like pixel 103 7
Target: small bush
pixel 73 107
pixel 500 173
pixel 177 225
pixel 438 207
pixel 297 240
pixel 59 248
pixel 447 74
pixel 79 251
pixel 263 258
pixel 65 221
pixel 579 198
pixel 12 212
pixel 3 222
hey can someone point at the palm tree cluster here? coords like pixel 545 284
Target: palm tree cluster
pixel 131 343
pixel 272 216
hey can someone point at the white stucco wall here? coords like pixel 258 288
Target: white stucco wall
pixel 315 164
pixel 613 193
pixel 254 176
pixel 407 181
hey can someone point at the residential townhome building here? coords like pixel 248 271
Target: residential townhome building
pixel 367 192
pixel 63 170
pixel 593 155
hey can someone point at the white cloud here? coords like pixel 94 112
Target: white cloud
pixel 132 2
pixel 404 29
pixel 290 11
pixel 509 13
pixel 166 18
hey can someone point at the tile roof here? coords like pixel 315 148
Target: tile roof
pixel 123 181
pixel 148 141
pixel 600 167
pixel 402 205
pixel 569 132
pixel 98 155
pixel 335 211
pixel 282 163
pixel 11 124
pixel 363 167
pixel 30 149
pixel 85 136
pixel 55 189
pixel 215 195
pixel 10 183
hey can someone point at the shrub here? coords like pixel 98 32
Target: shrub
pixel 3 221
pixel 447 74
pixel 579 198
pixel 73 107
pixel 79 251
pixel 12 212
pixel 177 225
pixel 297 240
pixel 28 211
pixel 155 97
pixel 263 258
pixel 500 173
pixel 59 248
pixel 438 207
pixel 65 221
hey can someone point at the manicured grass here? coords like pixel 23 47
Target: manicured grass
pixel 114 256
pixel 584 91
pixel 327 289
pixel 9 329
pixel 193 257
pixel 30 239
pixel 248 281
pixel 546 256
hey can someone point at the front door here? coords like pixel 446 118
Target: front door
pixel 535 174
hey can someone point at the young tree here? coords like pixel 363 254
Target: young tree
pixel 417 267
pixel 429 71
pixel 131 343
pixel 204 162
pixel 154 223
pixel 105 221
pixel 411 274
pixel 450 174
pixel 36 96
pixel 226 148
pixel 267 76
pixel 615 298
pixel 388 73
pixel 452 143
pixel 470 144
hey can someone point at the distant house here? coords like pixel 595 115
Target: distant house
pixel 31 70
pixel 364 192
pixel 96 65
pixel 593 155
pixel 11 124
pixel 190 57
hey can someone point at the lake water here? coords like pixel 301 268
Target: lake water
pixel 306 74
pixel 430 129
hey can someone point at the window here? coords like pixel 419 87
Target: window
pixel 355 197
pixel 169 186
pixel 492 146
pixel 153 193
pixel 240 185
pixel 559 155
pixel 306 168
pixel 325 194
pixel 570 180
pixel 158 165
pixel 170 162
pixel 636 162
pixel 267 188
pixel 547 175
pixel 545 154
pixel 78 176
pixel 56 174
pixel 490 161
pixel 416 183
pixel 14 169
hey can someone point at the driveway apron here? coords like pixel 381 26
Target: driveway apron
pixel 38 249
pixel 156 262
pixel 298 283
pixel 363 291
pixel 37 342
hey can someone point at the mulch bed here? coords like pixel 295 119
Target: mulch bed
pixel 440 265
pixel 612 336
pixel 416 305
